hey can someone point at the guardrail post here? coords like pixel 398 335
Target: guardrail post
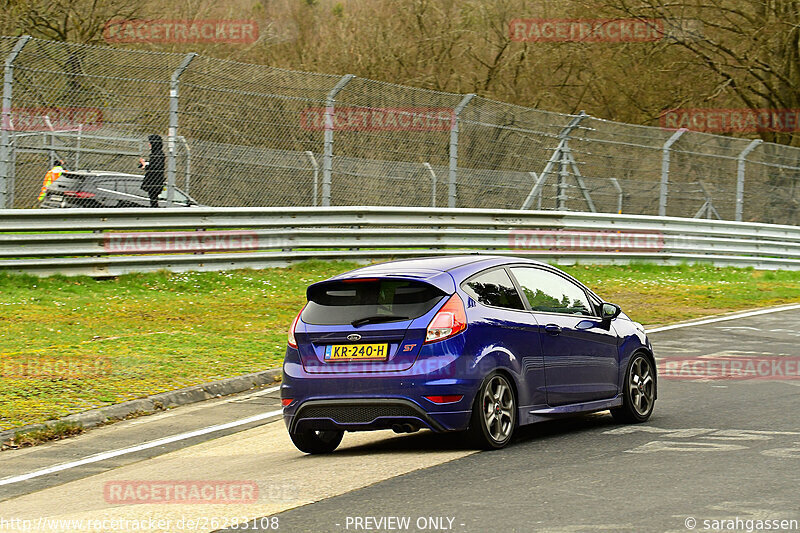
pixel 327 152
pixel 6 161
pixel 740 177
pixel 315 168
pixel 662 199
pixel 453 178
pixel 173 124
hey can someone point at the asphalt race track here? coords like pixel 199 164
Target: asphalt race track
pixel 717 455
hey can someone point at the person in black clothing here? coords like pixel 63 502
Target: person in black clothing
pixel 153 182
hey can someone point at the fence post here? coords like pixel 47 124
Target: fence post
pixel 433 182
pixel 563 159
pixel 453 181
pixel 173 124
pixel 327 151
pixel 6 173
pixel 662 199
pixel 740 177
pixel 616 185
pixel 187 176
pixel 315 168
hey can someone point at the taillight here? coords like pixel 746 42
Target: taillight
pixel 292 341
pixel 448 398
pixel 79 194
pixel 450 320
pixel 286 401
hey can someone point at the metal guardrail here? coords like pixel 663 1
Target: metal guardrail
pixel 111 242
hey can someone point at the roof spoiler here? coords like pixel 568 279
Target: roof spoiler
pixel 441 280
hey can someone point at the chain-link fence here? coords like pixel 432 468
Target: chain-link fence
pixel 250 135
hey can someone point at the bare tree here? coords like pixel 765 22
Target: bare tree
pixel 79 21
pixel 750 48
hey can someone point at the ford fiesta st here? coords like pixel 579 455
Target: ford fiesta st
pixel 478 344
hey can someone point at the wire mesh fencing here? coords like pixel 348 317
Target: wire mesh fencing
pixel 239 134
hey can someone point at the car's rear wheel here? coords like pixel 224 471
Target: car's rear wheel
pixel 494 413
pixel 314 442
pixel 639 391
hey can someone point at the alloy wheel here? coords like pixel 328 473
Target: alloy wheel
pixel 641 386
pixel 498 406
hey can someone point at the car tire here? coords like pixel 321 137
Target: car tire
pixel 316 442
pixel 494 413
pixel 639 391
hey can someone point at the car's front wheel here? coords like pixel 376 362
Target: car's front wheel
pixel 315 442
pixel 639 391
pixel 494 413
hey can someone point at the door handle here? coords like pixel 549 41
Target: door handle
pixel 552 329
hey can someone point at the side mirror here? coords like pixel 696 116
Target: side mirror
pixel 609 312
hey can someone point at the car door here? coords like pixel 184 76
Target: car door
pixel 580 354
pixel 504 327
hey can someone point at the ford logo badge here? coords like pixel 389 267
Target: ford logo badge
pixel 354 337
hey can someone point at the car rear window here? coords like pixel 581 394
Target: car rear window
pixel 70 179
pixel 343 302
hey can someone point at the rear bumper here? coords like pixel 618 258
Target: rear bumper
pixel 366 414
pixel 363 402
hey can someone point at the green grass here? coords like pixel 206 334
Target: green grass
pixel 653 294
pixel 150 333
pixel 140 334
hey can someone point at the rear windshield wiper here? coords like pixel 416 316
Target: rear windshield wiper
pixel 377 319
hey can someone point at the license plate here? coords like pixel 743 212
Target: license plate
pixel 350 352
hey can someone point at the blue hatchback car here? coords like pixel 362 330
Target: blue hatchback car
pixel 476 343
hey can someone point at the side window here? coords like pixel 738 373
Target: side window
pixel 133 187
pixel 550 293
pixel 109 185
pixel 177 198
pixel 494 288
pixel 120 185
